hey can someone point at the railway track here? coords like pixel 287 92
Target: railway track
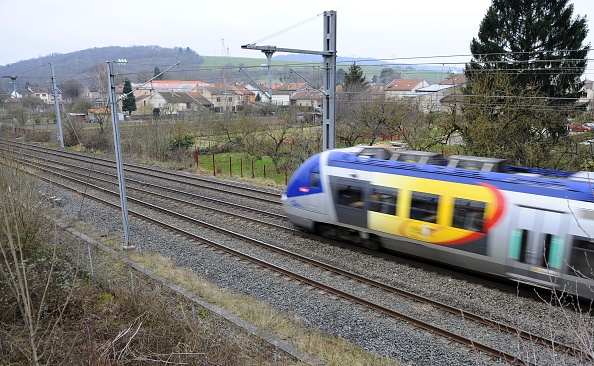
pixel 168 175
pixel 363 284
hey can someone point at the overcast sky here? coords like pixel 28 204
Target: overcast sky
pixel 382 29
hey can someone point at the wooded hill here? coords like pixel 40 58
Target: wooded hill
pixel 141 60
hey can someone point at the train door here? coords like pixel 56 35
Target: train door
pixel 313 202
pixel 536 245
pixel 350 200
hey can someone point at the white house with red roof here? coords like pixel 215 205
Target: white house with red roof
pixel 401 87
pixel 167 85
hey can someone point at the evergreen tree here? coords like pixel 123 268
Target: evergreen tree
pixel 536 42
pixel 387 75
pixel 129 103
pixel 156 72
pixel 354 80
pixel 523 81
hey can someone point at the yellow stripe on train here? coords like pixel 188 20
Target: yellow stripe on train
pixel 441 232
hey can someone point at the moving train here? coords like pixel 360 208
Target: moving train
pixel 529 225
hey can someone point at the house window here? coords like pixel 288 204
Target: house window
pixel 230 99
pixel 219 99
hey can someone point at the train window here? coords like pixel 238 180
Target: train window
pixel 469 215
pixel 314 180
pixel 517 245
pixel 350 196
pixel 546 250
pixel 553 252
pixel 383 200
pixel 423 206
pixel 582 257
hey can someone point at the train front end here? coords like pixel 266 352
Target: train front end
pixel 304 199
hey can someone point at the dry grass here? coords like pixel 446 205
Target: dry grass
pixel 117 317
pixel 328 349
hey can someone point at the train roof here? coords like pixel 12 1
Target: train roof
pixel 467 169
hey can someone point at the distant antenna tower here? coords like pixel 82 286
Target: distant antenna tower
pixel 223 47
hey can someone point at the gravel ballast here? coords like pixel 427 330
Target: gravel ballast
pixel 335 316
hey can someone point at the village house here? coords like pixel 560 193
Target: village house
pixel 453 98
pixel 281 92
pixel 166 85
pixel 94 94
pixel 246 95
pixel 401 87
pixel 307 98
pixel 102 115
pixel 428 99
pixel 457 80
pixel 143 104
pixel 44 94
pixel 223 97
pixel 171 102
pixel 587 98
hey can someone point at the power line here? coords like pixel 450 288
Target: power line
pixel 287 29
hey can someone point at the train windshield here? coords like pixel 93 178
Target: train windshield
pixel 306 179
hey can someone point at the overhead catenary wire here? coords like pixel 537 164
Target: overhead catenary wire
pixel 371 62
pixel 428 65
pixel 287 29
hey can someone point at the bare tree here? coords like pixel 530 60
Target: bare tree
pixel 275 142
pixel 100 81
pixel 27 269
pixel 71 89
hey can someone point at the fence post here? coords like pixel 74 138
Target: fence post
pixel 214 167
pixel 196 155
pixel 286 177
pixel 253 169
pixel 230 167
pixel 264 171
pixel 241 166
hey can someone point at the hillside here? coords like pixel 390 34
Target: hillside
pixel 141 60
pixel 85 65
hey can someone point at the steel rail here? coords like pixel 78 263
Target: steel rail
pixel 501 327
pixel 392 313
pixel 111 164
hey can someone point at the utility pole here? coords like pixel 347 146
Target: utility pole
pixel 113 102
pixel 329 79
pixel 118 151
pixel 57 106
pixel 269 54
